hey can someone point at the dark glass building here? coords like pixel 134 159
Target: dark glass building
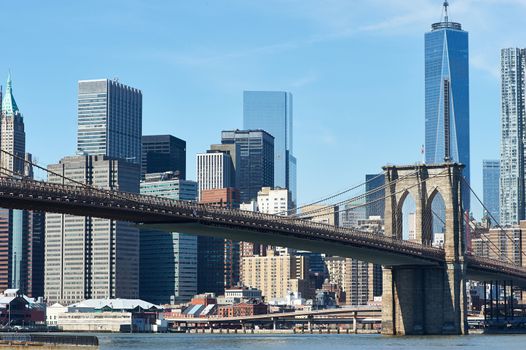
pixel 168 260
pixel 162 153
pixel 374 195
pixel 447 96
pixel 272 111
pixel 255 161
pixel 217 254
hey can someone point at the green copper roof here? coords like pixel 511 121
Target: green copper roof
pixel 9 106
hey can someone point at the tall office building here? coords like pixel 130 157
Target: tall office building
pixel 89 257
pixel 20 235
pixel 109 119
pixel 513 136
pixel 214 170
pixel 255 161
pixel 447 96
pixel 12 136
pixel 375 194
pixel 162 153
pixel 35 256
pixel 168 260
pixel 210 248
pixel 272 111
pixel 490 188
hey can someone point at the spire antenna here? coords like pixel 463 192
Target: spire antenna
pixel 446 17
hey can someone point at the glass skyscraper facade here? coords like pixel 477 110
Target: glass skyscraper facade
pixel 447 97
pixel 161 153
pixel 490 188
pixel 513 136
pixel 374 195
pixel 109 120
pixel 272 111
pixel 254 163
pixel 168 260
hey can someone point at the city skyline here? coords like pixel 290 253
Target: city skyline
pixel 324 97
pixel 146 206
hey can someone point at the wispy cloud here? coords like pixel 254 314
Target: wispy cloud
pixel 343 19
pixel 304 81
pixel 482 63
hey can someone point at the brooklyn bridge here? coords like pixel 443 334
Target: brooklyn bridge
pixel 424 287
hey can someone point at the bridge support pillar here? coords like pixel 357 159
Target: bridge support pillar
pixel 424 300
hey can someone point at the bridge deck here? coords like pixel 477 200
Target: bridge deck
pixel 193 218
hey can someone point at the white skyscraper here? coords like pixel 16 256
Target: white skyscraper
pixel 513 136
pixel 214 170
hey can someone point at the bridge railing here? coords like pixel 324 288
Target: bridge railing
pixel 210 214
pixel 495 265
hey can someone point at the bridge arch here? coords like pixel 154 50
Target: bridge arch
pixel 435 219
pixel 430 300
pixel 406 206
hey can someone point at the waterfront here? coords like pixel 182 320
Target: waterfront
pixel 305 342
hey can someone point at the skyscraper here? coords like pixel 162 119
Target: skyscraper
pixel 255 162
pixel 490 185
pixel 109 119
pixel 90 257
pixel 272 111
pixel 211 248
pixel 513 136
pixel 447 96
pixel 161 153
pixel 374 195
pixel 19 244
pixel 168 260
pixel 12 136
pixel 214 170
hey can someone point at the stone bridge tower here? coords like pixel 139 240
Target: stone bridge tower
pixel 425 299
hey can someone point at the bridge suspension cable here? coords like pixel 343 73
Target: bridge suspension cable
pixel 109 192
pixel 376 200
pixel 502 230
pixel 353 199
pixel 311 214
pixel 322 212
pixel 286 212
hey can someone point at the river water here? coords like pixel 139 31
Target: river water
pixel 306 342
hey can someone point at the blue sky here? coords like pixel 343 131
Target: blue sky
pixel 355 69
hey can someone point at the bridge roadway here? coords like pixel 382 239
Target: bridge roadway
pixel 281 315
pixel 193 218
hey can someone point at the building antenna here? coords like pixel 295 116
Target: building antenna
pixel 446 17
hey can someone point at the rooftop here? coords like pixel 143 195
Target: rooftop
pixel 9 106
pixel 116 304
